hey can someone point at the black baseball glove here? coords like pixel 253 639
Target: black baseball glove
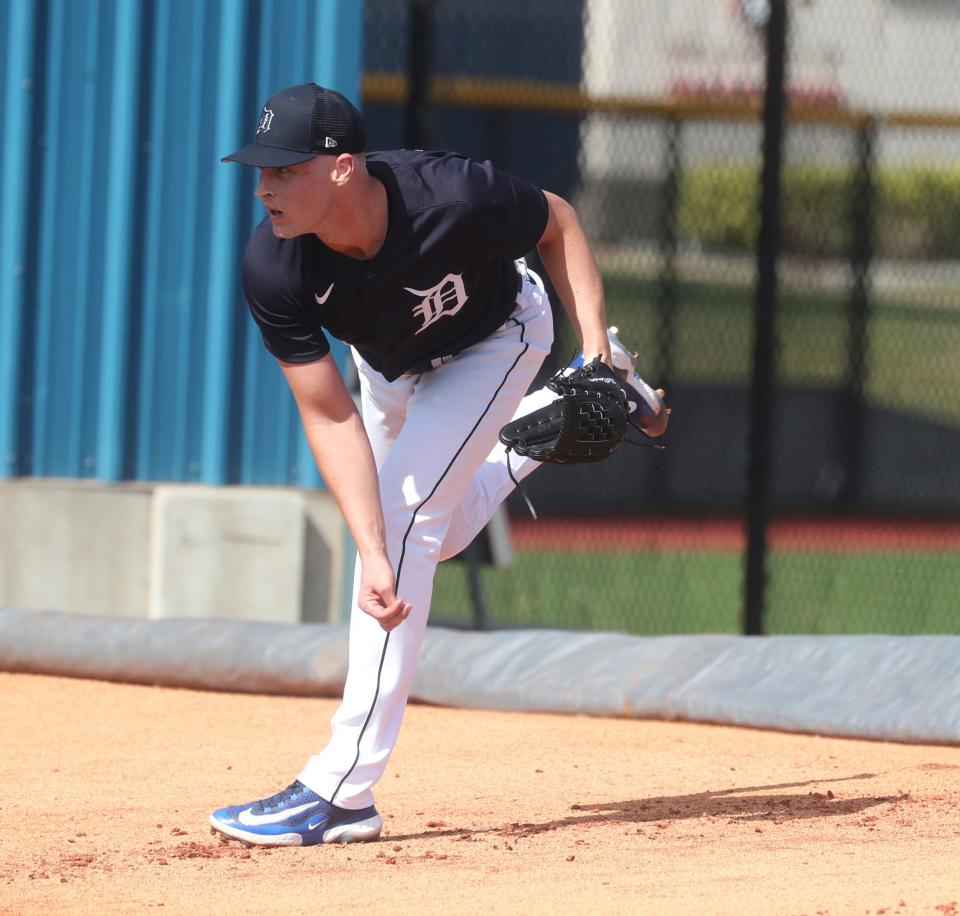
pixel 586 422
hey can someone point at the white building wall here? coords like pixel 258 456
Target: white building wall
pixel 875 55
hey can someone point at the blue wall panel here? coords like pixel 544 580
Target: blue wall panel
pixel 126 351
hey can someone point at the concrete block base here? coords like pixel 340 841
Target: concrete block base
pixel 161 551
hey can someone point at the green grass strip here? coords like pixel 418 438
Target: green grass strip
pixel 702 592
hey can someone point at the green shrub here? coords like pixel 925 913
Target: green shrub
pixel 916 212
pixel 920 213
pixel 719 206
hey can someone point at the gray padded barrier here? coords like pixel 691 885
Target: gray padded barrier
pixel 209 654
pixel 902 688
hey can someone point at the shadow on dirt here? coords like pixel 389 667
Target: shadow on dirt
pixel 746 803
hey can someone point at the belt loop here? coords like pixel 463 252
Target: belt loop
pixel 521 265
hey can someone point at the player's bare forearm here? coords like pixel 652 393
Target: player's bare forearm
pixel 343 456
pixel 568 259
pixel 342 452
pixel 341 449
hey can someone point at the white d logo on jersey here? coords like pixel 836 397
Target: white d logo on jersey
pixel 446 298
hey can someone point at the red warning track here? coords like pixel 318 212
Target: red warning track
pixel 729 534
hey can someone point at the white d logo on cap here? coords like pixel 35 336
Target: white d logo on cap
pixel 265 121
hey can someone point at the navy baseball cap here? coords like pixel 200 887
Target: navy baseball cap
pixel 300 123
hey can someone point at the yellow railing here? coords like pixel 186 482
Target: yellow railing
pixel 530 95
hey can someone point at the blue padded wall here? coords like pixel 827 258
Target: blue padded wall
pixel 126 351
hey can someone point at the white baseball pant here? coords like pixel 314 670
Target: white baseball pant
pixel 442 475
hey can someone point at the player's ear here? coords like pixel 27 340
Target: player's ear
pixel 344 168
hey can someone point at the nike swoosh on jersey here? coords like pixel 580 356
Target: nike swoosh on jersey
pixel 325 296
pixel 252 820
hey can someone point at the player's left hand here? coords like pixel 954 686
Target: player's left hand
pixel 605 357
pixel 587 420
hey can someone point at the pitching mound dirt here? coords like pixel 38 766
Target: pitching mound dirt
pixel 107 789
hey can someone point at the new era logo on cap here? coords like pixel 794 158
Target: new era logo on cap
pixel 300 123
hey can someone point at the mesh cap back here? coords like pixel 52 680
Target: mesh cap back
pixel 337 125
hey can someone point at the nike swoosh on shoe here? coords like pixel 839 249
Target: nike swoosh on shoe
pixel 248 819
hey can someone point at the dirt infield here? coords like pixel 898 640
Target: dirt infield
pixel 107 789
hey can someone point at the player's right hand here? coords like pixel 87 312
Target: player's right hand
pixel 378 596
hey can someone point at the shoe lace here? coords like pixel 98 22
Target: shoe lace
pixel 282 797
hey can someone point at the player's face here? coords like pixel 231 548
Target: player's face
pixel 297 197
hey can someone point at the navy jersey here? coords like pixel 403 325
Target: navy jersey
pixel 443 279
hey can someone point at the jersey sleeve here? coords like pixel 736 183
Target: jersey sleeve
pixel 516 210
pixel 289 332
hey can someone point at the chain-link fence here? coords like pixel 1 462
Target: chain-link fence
pixel 648 116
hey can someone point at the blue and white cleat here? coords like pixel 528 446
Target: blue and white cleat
pixel 297 816
pixel 646 409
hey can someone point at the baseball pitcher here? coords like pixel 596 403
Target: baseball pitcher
pixel 414 259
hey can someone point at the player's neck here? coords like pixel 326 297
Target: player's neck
pixel 359 224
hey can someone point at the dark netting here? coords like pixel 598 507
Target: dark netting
pixel 648 117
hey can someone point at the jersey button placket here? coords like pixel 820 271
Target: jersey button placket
pixel 369 274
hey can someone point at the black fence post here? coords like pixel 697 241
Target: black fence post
pixel 418 116
pixel 667 292
pixel 478 599
pixel 762 395
pixel 667 281
pixel 861 257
